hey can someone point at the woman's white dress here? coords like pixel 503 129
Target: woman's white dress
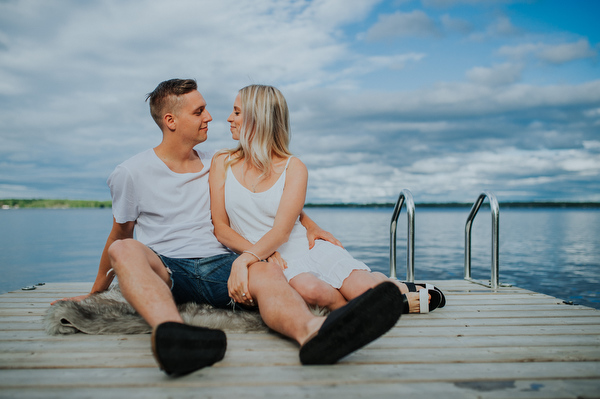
pixel 252 215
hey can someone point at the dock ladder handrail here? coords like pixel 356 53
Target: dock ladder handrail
pixel 410 237
pixel 495 210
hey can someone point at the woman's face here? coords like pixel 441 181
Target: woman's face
pixel 235 118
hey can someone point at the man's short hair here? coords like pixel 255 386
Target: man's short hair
pixel 165 98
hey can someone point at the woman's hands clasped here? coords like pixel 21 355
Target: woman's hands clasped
pixel 237 284
pixel 238 281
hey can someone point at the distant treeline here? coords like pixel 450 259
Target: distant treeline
pixel 53 203
pixel 467 205
pixel 58 203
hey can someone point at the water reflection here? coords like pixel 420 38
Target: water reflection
pixel 554 251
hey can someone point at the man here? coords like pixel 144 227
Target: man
pixel 163 193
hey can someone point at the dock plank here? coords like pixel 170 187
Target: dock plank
pixel 523 389
pixel 485 343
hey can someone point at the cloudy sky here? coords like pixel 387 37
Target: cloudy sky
pixel 444 97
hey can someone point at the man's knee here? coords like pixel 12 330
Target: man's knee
pixel 119 248
pixel 127 252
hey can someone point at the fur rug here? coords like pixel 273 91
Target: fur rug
pixel 109 313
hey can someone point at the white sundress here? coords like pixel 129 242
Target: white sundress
pixel 252 215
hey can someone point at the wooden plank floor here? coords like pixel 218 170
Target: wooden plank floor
pixel 511 343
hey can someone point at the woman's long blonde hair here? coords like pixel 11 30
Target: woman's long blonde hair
pixel 265 130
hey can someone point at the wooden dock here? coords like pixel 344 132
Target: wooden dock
pixel 511 343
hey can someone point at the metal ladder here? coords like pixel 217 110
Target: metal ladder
pixel 406 196
pixel 495 210
pixel 410 236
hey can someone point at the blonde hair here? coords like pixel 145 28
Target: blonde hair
pixel 265 130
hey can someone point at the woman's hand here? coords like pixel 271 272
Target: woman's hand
pixel 278 260
pixel 238 280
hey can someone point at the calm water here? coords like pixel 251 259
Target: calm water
pixel 553 251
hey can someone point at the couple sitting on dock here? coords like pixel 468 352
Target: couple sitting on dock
pixel 245 240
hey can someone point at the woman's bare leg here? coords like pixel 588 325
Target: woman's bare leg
pixel 361 280
pixel 317 292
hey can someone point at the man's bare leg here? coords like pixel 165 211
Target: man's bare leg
pixel 144 280
pixel 354 325
pixel 323 341
pixel 178 348
pixel 281 307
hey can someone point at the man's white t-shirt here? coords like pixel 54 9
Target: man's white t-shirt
pixel 171 210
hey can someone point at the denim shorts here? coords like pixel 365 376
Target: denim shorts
pixel 201 280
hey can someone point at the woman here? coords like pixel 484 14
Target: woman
pixel 257 195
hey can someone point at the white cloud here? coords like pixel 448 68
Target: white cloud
pixel 334 13
pixel 452 140
pixel 456 177
pixel 501 170
pixel 364 65
pixel 591 144
pixel 592 113
pixel 462 100
pixel 456 25
pixel 498 75
pixel 452 3
pixel 562 53
pixel 520 51
pixel 369 117
pixel 501 27
pixel 551 53
pixel 399 24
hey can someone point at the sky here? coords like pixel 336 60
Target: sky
pixel 445 98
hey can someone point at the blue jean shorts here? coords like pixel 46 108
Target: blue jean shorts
pixel 201 280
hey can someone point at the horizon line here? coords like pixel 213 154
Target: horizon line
pixel 41 203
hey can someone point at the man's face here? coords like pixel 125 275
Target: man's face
pixel 192 117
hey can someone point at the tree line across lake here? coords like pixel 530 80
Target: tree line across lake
pixel 52 203
pixel 65 204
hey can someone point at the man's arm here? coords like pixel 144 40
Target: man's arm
pixel 119 231
pixel 105 275
pixel 314 232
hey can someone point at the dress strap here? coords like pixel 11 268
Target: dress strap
pixel 288 161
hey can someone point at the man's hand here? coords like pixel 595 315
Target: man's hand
pixel 318 233
pixel 78 298
pixel 314 232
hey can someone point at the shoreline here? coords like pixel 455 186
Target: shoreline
pixel 6 204
pixel 52 204
pixel 507 204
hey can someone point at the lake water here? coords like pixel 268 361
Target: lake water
pixel 553 251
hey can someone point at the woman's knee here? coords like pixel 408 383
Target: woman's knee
pixel 315 291
pixel 311 291
pixel 380 277
pixel 362 278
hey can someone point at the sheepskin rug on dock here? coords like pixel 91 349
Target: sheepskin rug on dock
pixel 109 313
